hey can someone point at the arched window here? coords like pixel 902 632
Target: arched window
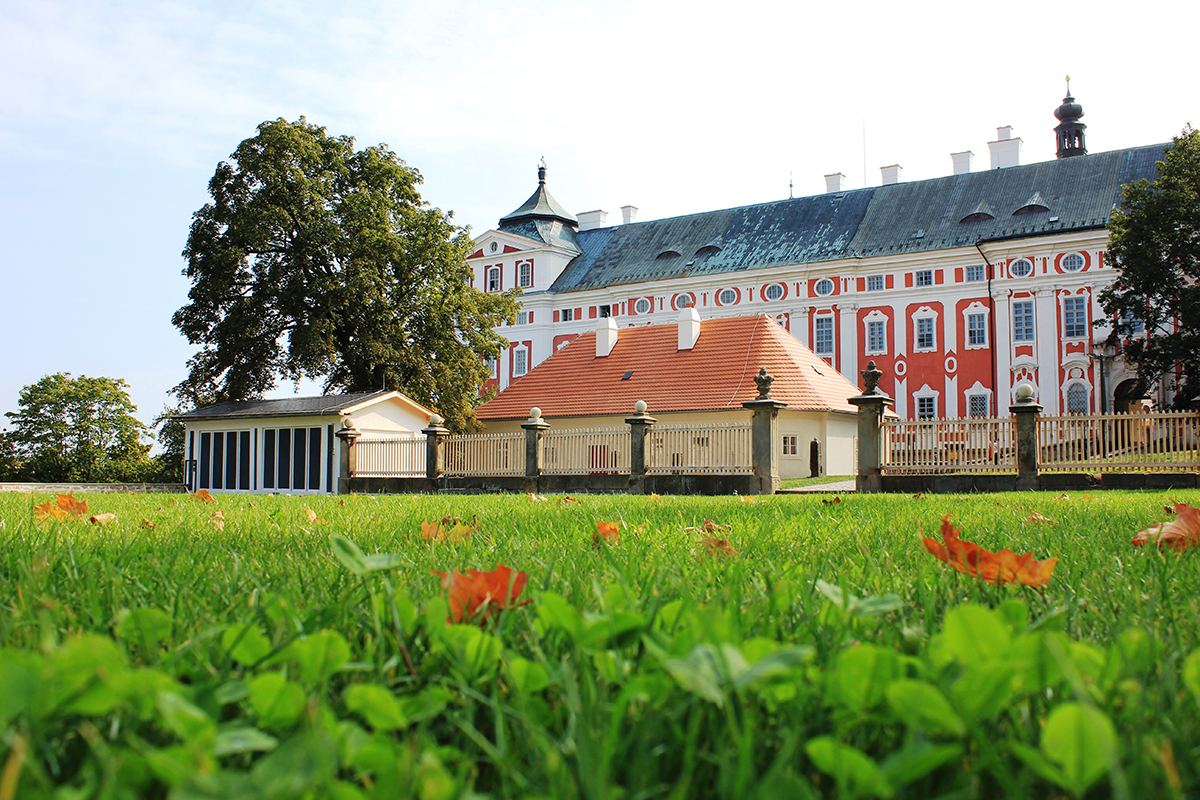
pixel 1077 399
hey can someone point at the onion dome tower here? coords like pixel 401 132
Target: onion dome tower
pixel 540 206
pixel 1069 129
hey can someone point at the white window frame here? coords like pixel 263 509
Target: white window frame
pixel 566 315
pixel 1087 397
pixel 775 288
pixel 733 297
pixel 823 282
pixel 1032 327
pixel 817 321
pixel 1075 300
pixel 923 314
pixel 791 444
pixel 1074 258
pixel 520 361
pixel 875 283
pixel 492 279
pixel 981 274
pixel 876 317
pixel 987 404
pixel 525 274
pixel 974 310
pixel 924 277
pixel 643 306
pixel 1012 268
pixel 927 394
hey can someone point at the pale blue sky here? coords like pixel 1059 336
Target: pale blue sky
pixel 114 115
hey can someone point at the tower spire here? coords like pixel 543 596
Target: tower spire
pixel 1069 130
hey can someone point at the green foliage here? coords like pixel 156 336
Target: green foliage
pixel 316 260
pixel 77 429
pixel 1156 246
pixel 831 658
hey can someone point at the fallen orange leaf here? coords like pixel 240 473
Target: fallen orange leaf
pixel 48 510
pixel 832 501
pixel 474 592
pixel 566 498
pixel 606 531
pixel 1179 534
pixel 218 520
pixel 205 496
pixel 1036 517
pixel 103 519
pixel 654 496
pixel 312 515
pixel 998 568
pixel 69 504
pixel 718 547
pixel 538 498
pixel 147 523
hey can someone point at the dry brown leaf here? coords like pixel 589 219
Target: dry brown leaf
pixel 103 519
pixel 654 496
pixel 749 500
pixel 1180 533
pixel 718 548
pixel 832 501
pixel 473 593
pixel 538 498
pixel 566 498
pixel 1036 517
pixel 312 515
pixel 450 529
pixel 147 523
pixel 218 520
pixel 998 568
pixel 204 496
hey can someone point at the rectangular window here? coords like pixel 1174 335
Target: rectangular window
pixel 874 283
pixel 493 279
pixel 205 459
pixel 244 466
pixel 299 440
pixel 218 459
pixel 1023 321
pixel 1075 317
pixel 1133 324
pixel 925 338
pixel 520 361
pixel 314 458
pixel 876 339
pixel 567 314
pixel 269 459
pixel 790 445
pixel 975 273
pixel 523 318
pixel 525 275
pixel 924 277
pixel 284 452
pixel 976 329
pixel 926 407
pixel 824 336
pixel 977 405
pixel 231 454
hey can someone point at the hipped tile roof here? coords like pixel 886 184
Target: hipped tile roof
pixel 281 407
pixel 718 373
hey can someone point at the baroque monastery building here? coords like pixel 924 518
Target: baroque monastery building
pixel 959 288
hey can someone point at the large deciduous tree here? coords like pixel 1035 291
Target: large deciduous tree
pixel 315 260
pixel 1156 248
pixel 77 429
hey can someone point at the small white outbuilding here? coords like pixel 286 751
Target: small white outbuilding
pixel 287 445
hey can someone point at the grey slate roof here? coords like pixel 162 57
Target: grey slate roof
pixel 284 407
pixel 1081 192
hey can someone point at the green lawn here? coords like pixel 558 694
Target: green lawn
pixel 820 480
pixel 240 656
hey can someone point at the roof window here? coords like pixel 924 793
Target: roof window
pixel 668 254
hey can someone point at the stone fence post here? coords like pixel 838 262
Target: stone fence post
pixel 872 405
pixel 639 428
pixel 764 435
pixel 346 460
pixel 1027 412
pixel 535 428
pixel 435 435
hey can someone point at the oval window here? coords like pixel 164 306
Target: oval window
pixel 727 297
pixel 682 301
pixel 774 291
pixel 1021 268
pixel 1072 262
pixel 642 306
pixel 824 287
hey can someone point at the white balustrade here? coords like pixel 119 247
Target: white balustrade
pixel 700 449
pixel 389 457
pixel 484 454
pixel 586 451
pixel 1161 441
pixel 975 444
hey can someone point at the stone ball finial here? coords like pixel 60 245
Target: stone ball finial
pixel 436 419
pixel 763 380
pixel 640 406
pixel 347 424
pixel 1025 392
pixel 535 413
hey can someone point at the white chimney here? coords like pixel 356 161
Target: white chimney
pixel 1006 151
pixel 591 219
pixel 689 327
pixel 833 183
pixel 628 214
pixel 962 162
pixel 606 337
pixel 890 174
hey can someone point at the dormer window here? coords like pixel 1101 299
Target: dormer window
pixel 1034 205
pixel 982 211
pixel 708 250
pixel 665 254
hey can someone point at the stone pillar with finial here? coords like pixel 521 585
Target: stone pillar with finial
pixel 639 427
pixel 1027 411
pixel 872 405
pixel 346 460
pixel 535 428
pixel 764 435
pixel 435 437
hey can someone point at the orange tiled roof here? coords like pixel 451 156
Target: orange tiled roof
pixel 718 373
